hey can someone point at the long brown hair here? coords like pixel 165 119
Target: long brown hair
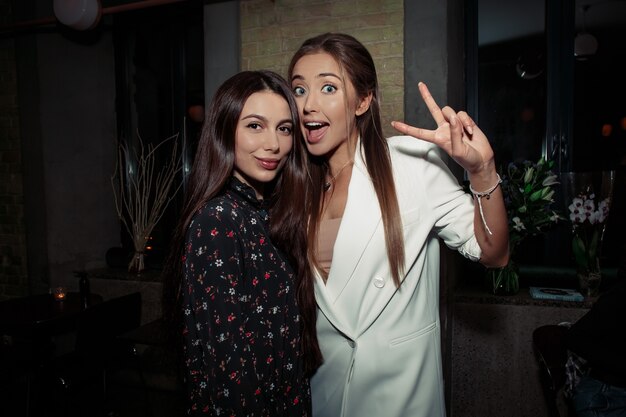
pixel 213 166
pixel 355 60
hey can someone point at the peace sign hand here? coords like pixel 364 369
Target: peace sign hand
pixel 456 133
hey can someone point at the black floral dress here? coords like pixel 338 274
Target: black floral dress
pixel 242 330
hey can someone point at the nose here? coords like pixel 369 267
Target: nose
pixel 310 103
pixel 270 143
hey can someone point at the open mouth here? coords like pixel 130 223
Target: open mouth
pixel 315 131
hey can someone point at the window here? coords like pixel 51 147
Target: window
pixel 545 77
pixel 159 77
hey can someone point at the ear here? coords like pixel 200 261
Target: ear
pixel 364 104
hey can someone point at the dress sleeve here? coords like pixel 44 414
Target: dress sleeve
pixel 219 365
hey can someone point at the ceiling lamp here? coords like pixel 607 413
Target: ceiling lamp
pixel 585 44
pixel 78 14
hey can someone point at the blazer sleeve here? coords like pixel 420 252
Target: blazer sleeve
pixel 423 170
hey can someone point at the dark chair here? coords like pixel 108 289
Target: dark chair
pixel 83 373
pixel 551 353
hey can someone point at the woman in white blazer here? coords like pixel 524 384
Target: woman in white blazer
pixel 377 209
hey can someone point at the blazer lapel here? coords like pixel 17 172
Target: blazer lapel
pixel 360 220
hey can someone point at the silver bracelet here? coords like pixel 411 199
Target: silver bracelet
pixel 480 194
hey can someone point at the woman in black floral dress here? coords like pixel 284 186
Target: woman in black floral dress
pixel 239 249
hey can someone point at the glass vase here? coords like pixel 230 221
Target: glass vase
pixel 589 283
pixel 505 280
pixel 588 198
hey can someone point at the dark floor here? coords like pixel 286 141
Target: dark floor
pixel 127 402
pixel 147 386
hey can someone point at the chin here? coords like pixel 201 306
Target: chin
pixel 316 149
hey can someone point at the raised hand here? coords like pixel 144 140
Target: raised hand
pixel 456 133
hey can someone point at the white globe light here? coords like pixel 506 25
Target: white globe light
pixel 78 14
pixel 585 44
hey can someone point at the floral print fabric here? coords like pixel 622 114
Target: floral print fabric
pixel 242 329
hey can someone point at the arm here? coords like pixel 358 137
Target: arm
pixel 218 358
pixel 459 137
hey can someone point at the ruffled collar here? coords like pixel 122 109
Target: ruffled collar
pixel 246 193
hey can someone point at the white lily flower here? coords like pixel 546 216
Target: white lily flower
pixel 549 180
pixel 518 225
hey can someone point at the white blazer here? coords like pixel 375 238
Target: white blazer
pixel 381 345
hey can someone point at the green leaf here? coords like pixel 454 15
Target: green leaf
pixel 528 188
pixel 536 195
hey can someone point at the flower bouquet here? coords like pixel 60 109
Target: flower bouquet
pixel 528 190
pixel 588 213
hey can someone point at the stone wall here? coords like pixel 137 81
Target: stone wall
pixel 272 30
pixel 13 277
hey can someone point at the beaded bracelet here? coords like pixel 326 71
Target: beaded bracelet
pixel 480 194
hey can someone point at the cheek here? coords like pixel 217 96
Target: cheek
pixel 336 107
pixel 286 144
pixel 245 143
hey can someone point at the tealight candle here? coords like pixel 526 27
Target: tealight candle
pixel 59 293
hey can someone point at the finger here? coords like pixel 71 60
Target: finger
pixel 456 135
pixel 448 112
pixel 416 132
pixel 432 106
pixel 467 121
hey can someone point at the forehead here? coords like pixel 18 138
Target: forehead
pixel 267 104
pixel 315 65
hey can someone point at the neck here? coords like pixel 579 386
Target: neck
pixel 340 156
pixel 332 179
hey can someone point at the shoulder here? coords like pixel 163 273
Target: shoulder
pixel 221 211
pixel 410 153
pixel 409 145
pixel 407 150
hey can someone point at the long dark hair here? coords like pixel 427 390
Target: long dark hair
pixel 213 166
pixel 355 60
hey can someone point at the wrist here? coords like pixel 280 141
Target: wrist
pixel 484 178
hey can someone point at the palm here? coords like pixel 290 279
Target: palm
pixel 456 134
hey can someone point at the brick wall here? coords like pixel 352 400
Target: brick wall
pixel 13 278
pixel 271 31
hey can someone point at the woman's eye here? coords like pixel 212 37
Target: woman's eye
pixel 328 88
pixel 254 125
pixel 298 91
pixel 286 129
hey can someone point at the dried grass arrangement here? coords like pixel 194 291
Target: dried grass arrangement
pixel 143 188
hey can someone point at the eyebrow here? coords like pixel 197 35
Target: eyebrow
pixel 320 75
pixel 263 118
pixel 254 116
